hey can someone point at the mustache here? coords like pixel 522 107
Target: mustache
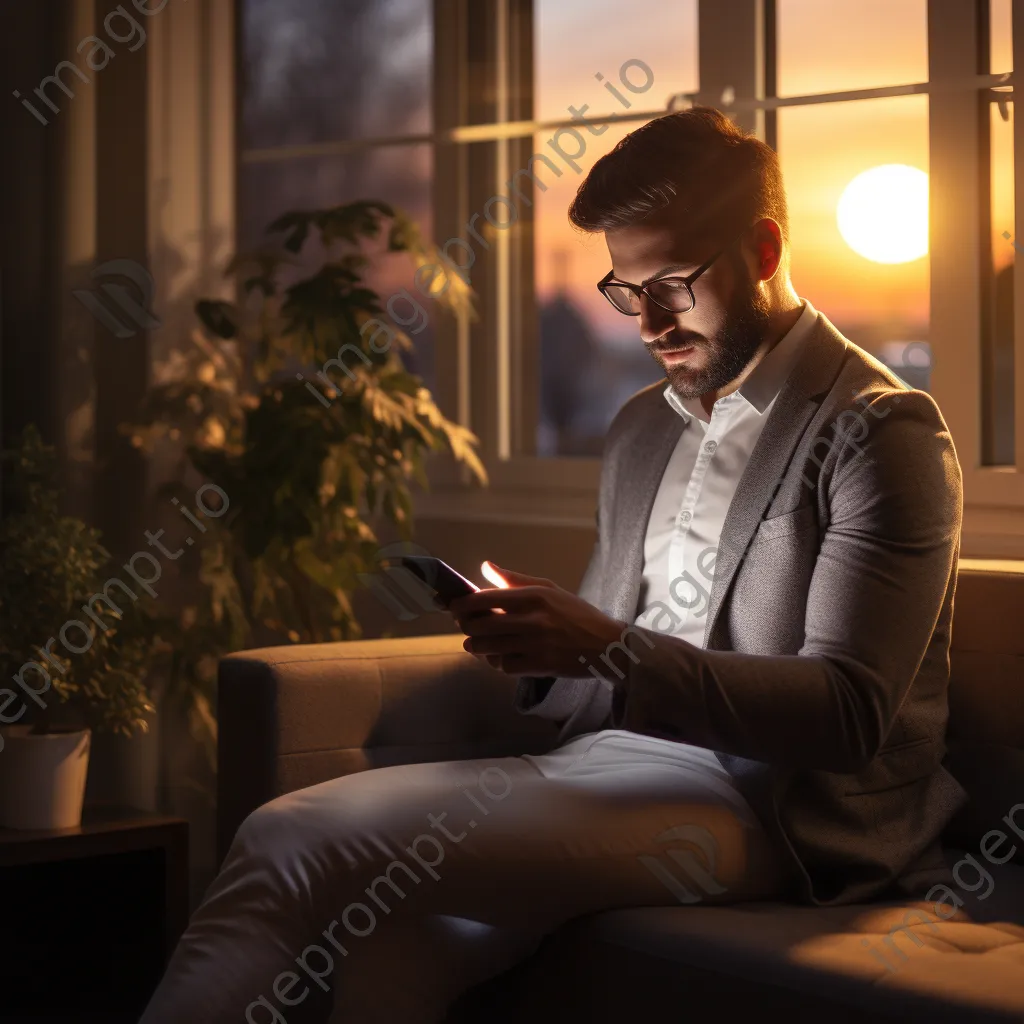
pixel 676 342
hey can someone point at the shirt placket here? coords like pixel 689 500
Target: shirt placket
pixel 688 597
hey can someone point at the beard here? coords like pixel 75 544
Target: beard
pixel 747 321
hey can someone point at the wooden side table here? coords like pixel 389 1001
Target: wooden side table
pixel 89 916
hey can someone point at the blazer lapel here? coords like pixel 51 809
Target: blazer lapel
pixel 796 403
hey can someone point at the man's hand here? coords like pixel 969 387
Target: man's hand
pixel 540 629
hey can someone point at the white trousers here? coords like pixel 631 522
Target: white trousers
pixel 399 888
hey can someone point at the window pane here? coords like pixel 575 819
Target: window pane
pixel 835 45
pixel 400 175
pixel 591 357
pixel 881 306
pixel 997 367
pixel 316 70
pixel 1000 37
pixel 663 36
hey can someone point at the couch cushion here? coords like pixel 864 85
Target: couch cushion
pixel 890 960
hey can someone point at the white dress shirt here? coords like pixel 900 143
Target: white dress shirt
pixel 697 487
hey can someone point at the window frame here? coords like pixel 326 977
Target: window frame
pixel 958 40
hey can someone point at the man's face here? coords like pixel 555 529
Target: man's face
pixel 709 347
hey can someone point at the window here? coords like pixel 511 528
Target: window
pixel 881 111
pixel 856 172
pixel 921 93
pixel 839 160
pixel 591 357
pixel 330 95
pixel 837 46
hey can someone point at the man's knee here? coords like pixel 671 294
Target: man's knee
pixel 274 832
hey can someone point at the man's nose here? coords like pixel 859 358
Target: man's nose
pixel 655 320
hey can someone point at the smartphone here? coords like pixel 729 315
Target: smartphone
pixel 439 576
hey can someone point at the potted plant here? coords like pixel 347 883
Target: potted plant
pixel 294 400
pixel 86 677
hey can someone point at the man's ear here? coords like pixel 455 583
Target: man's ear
pixel 767 242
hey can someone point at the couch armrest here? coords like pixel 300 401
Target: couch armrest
pixel 290 717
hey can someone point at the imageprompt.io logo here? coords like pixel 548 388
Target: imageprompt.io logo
pixel 697 874
pixel 402 593
pixel 132 313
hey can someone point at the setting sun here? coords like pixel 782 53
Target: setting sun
pixel 883 214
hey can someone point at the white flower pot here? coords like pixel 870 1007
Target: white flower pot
pixel 42 778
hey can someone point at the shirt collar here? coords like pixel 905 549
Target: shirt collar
pixel 764 381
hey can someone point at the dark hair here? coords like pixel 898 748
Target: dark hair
pixel 697 162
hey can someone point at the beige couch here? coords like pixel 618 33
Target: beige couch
pixel 294 716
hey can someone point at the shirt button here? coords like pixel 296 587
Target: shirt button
pixel 710 446
pixel 685 517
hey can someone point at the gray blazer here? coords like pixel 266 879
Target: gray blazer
pixel 822 684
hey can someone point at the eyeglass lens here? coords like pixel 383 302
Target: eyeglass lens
pixel 668 292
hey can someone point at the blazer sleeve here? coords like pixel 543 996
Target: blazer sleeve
pixel 878 585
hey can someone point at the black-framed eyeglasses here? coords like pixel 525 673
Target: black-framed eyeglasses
pixel 672 293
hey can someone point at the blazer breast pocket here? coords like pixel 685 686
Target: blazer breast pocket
pixel 787 523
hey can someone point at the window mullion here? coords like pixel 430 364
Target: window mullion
pixel 954 205
pixel 451 171
pixel 730 55
pixel 522 379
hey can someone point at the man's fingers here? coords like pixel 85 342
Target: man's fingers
pixel 495 644
pixel 523 665
pixel 494 660
pixel 520 664
pixel 515 664
pixel 494 598
pixel 495 625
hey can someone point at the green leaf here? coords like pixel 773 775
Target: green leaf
pixel 219 318
pixel 295 226
pixel 462 441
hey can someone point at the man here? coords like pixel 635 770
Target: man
pixel 751 685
